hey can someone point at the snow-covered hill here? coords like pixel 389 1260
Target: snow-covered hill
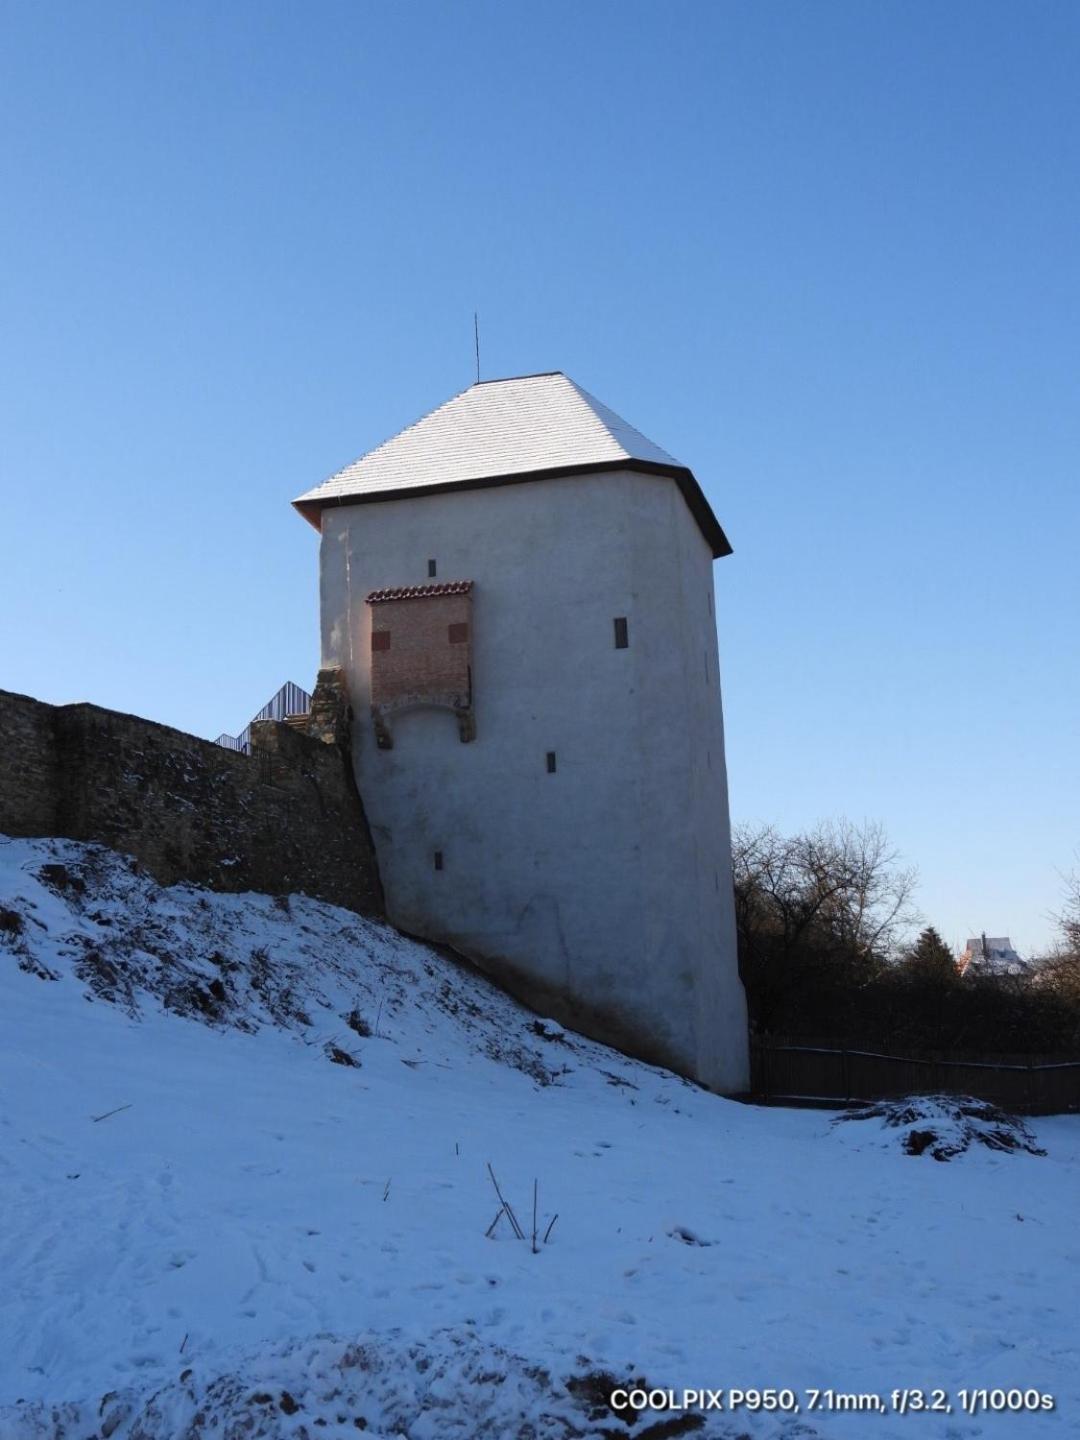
pixel 244 1150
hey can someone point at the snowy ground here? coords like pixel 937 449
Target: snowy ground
pixel 259 1241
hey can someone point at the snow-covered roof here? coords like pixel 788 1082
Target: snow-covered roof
pixel 500 431
pixel 998 957
pixel 993 942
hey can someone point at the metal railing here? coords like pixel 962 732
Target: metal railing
pixel 289 700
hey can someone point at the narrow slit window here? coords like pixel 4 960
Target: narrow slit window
pixel 622 633
pixel 438 860
pixel 432 568
pixel 551 762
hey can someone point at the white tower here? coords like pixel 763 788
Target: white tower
pixel 519 590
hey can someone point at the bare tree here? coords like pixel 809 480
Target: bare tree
pixel 1060 970
pixel 821 910
pixel 1069 919
pixel 841 879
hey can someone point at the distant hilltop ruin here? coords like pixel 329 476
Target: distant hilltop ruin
pixel 992 956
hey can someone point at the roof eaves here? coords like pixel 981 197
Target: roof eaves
pixel 420 592
pixel 311 505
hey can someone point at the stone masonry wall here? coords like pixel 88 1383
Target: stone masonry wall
pixel 287 818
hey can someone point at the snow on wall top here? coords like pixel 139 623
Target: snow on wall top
pixel 502 429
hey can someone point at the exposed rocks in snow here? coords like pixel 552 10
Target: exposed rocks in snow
pixel 249 961
pixel 11 922
pixel 944 1126
pixel 687 1236
pixel 337 1056
pixel 549 1029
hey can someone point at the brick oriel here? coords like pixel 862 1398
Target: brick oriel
pixel 421 654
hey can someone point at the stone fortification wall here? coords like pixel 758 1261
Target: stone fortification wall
pixel 285 818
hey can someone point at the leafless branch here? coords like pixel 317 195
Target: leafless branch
pixel 96 1118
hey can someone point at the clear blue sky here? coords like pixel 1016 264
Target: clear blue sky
pixel 828 255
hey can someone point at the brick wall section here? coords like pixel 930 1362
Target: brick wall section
pixel 425 656
pixel 287 818
pixel 421 654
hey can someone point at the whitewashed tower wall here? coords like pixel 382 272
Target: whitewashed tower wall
pixel 600 890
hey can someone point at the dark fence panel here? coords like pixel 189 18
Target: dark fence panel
pixel 793 1073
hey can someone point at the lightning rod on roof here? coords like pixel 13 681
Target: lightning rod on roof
pixel 476 337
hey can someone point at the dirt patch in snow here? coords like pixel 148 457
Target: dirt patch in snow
pixel 15 940
pixel 944 1126
pixel 11 922
pixel 454 1386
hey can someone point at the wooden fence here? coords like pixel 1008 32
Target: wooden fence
pixel 789 1072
